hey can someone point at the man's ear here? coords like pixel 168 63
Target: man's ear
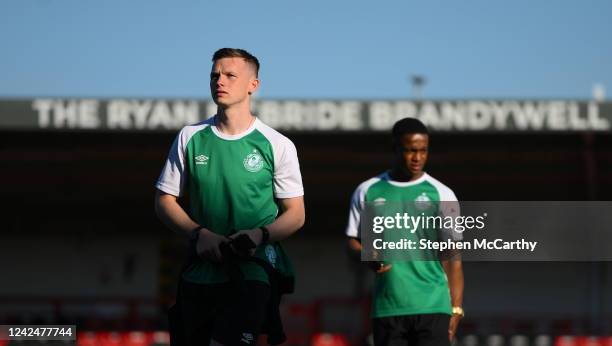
pixel 253 86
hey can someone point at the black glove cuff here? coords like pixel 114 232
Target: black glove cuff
pixel 194 235
pixel 265 235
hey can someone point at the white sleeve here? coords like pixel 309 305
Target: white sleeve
pixel 449 207
pixel 172 178
pixel 287 176
pixel 356 207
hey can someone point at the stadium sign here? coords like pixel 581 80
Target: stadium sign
pixel 311 115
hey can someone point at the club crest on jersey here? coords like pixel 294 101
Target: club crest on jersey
pixel 379 201
pixel 201 160
pixel 253 162
pixel 422 202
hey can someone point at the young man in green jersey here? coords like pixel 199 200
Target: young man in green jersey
pixel 242 178
pixel 414 302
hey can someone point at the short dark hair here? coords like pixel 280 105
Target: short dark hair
pixel 237 53
pixel 408 125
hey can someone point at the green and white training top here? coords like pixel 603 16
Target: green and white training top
pixel 410 287
pixel 232 182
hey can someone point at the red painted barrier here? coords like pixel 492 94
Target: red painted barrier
pixel 327 339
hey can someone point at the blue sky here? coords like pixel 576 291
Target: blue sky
pixel 308 49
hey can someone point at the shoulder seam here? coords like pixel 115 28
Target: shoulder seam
pixel 441 187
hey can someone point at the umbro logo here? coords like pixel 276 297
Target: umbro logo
pixel 201 160
pixel 247 338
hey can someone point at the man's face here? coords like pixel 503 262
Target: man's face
pixel 411 153
pixel 231 81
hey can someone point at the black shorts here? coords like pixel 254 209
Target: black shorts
pixel 228 314
pixel 413 330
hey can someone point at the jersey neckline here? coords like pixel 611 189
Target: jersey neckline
pixel 235 137
pixel 387 178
